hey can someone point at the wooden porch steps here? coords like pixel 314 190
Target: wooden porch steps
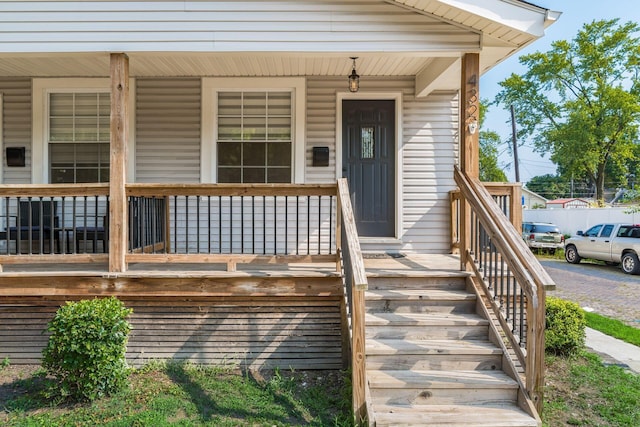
pixel 452 416
pixel 429 357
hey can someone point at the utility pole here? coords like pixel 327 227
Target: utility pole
pixel 515 143
pixel 572 185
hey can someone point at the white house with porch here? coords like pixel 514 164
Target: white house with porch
pixel 189 156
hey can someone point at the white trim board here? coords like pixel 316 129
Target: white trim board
pixel 210 86
pixel 41 87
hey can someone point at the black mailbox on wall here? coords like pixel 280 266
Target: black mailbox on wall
pixel 15 156
pixel 320 156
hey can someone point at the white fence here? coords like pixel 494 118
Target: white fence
pixel 571 220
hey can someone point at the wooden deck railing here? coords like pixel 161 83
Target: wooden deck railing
pixel 53 223
pixel 512 278
pixel 356 284
pixel 508 197
pixel 165 223
pixel 234 223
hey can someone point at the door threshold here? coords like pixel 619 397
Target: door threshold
pixel 380 240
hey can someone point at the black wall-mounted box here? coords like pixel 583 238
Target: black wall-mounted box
pixel 320 156
pixel 15 156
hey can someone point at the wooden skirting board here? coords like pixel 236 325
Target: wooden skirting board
pixel 260 322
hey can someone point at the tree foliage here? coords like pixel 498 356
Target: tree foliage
pixel 580 101
pixel 490 170
pixel 549 186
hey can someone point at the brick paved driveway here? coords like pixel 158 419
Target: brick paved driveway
pixel 606 289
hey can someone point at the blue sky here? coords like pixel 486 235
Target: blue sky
pixel 575 13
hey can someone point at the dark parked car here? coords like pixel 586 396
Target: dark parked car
pixel 542 235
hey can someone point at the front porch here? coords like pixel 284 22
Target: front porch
pixel 259 316
pixel 259 275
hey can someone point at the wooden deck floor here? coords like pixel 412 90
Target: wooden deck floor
pixel 375 264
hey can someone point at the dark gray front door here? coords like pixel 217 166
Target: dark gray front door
pixel 368 162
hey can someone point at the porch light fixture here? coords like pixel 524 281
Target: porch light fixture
pixel 354 78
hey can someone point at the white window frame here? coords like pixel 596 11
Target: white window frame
pixel 41 88
pixel 210 88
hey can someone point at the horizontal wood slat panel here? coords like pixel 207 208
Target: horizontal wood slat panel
pixel 300 331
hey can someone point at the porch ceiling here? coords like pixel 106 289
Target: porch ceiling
pixel 421 38
pixel 220 65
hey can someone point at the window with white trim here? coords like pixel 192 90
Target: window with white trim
pixel 78 137
pixel 254 137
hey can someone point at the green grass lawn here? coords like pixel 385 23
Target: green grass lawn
pixel 176 394
pixel 582 391
pixel 614 328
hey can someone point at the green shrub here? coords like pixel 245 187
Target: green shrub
pixel 86 349
pixel 565 327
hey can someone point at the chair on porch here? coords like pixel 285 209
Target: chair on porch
pixel 92 234
pixel 36 222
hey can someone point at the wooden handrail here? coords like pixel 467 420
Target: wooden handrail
pixel 165 190
pixel 351 232
pixel 53 190
pixel 526 269
pixel 358 283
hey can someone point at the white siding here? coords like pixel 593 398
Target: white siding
pixel 168 130
pixel 225 26
pixel 429 151
pixel 16 126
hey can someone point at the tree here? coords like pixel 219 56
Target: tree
pixel 490 170
pixel 549 186
pixel 580 101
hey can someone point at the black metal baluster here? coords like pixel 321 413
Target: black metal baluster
pixel 230 224
pixel 514 315
pixel 308 225
pixel 297 225
pixel 7 200
pixel 275 225
pixel 501 278
pixel 508 297
pixel 219 224
pixel 241 224
pixel 186 227
pixel 286 224
pixel 319 223
pixel 209 223
pixel 330 224
pixel 523 332
pixel 175 224
pixel 197 224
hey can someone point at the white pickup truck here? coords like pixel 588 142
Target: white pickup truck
pixel 610 242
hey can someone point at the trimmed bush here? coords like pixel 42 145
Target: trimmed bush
pixel 86 349
pixel 565 327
